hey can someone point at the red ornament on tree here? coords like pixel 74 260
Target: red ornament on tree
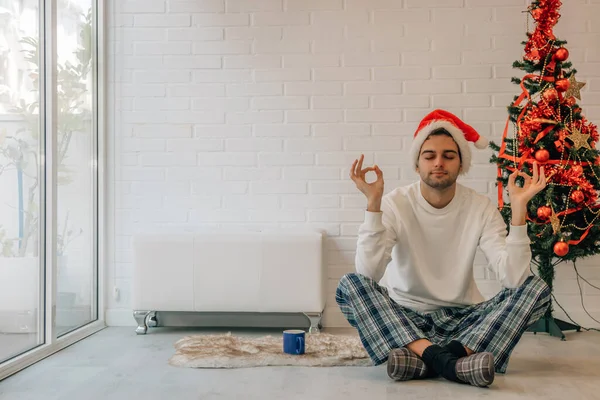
pixel 577 196
pixel 550 95
pixel 561 54
pixel 542 155
pixel 550 68
pixel 562 85
pixel 577 169
pixel 533 55
pixel 561 249
pixel 536 14
pixel 544 212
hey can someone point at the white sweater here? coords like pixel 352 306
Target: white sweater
pixel 425 255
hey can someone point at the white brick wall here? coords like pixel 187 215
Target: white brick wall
pixel 238 113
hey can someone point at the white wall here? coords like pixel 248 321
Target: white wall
pixel 221 105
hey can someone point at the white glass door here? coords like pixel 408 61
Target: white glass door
pixel 76 159
pixel 49 177
pixel 21 147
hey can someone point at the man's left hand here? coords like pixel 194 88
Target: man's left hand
pixel 532 186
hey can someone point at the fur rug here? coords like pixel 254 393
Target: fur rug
pixel 228 351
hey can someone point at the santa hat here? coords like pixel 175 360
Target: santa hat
pixel 461 132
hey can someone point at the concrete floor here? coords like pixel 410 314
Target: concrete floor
pixel 117 364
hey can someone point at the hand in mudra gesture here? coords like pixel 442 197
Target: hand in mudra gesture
pixel 532 185
pixel 374 190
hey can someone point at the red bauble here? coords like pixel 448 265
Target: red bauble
pixel 562 85
pixel 550 95
pixel 570 101
pixel 577 169
pixel 577 196
pixel 561 54
pixel 544 212
pixel 561 249
pixel 542 155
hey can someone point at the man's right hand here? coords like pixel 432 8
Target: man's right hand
pixel 373 190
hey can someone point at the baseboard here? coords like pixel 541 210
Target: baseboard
pixel 120 317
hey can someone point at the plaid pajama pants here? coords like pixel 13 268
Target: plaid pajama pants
pixel 493 326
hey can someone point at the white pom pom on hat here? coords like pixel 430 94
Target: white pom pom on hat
pixel 461 132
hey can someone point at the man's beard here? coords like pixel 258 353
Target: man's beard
pixel 443 182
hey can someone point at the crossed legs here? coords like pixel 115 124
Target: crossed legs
pixel 451 342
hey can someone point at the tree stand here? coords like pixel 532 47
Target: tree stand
pixel 548 323
pixel 554 327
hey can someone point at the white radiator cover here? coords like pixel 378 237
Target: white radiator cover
pixel 230 272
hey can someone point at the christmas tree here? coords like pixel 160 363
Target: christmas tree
pixel 550 128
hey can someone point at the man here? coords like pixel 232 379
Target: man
pixel 413 298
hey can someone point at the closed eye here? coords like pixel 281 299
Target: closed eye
pixel 447 157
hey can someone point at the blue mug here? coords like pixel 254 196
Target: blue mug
pixel 293 341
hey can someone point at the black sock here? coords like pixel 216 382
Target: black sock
pixel 456 348
pixel 442 361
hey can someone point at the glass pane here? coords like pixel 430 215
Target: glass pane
pixel 21 308
pixel 75 303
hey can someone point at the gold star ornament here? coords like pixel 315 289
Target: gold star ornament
pixel 574 88
pixel 579 139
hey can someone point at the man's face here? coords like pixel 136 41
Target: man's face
pixel 439 162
